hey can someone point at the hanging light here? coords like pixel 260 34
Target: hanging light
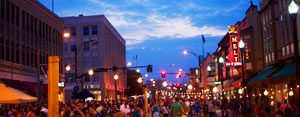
pixel 215 89
pixel 240 91
pixel 266 92
pixel 291 93
pixel 190 87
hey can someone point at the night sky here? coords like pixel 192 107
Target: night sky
pixel 159 30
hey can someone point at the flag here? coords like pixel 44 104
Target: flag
pixel 203 39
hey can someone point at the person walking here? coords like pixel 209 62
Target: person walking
pixel 185 109
pixel 176 108
pixel 197 109
pixel 211 111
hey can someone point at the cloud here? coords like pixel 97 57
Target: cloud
pixel 156 26
pixel 139 26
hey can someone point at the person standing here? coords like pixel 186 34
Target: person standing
pixel 185 109
pixel 176 108
pixel 197 109
pixel 211 110
pixel 165 110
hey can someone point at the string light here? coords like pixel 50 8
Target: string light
pixel 291 93
pixel 266 92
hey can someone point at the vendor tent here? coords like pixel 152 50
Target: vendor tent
pixel 9 95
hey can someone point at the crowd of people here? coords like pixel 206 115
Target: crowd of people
pixel 162 107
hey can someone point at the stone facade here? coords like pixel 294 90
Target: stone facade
pixel 29 33
pixel 98 45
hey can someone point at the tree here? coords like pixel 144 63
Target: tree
pixel 133 87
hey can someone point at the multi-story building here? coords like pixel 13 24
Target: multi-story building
pixel 29 33
pixel 209 72
pixel 98 45
pixel 279 45
pixel 251 33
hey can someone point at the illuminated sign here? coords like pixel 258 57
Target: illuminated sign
pixel 233 63
pixel 234 51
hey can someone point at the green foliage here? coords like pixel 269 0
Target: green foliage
pixel 133 87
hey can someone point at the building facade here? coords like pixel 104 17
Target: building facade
pixel 99 45
pixel 29 33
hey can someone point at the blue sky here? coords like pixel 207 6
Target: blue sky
pixel 159 30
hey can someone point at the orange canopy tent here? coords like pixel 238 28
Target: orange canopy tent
pixel 10 95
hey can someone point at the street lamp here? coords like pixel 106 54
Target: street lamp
pixel 242 47
pixel 66 34
pixel 165 84
pixel 139 80
pixel 293 10
pixel 221 60
pixel 116 77
pixel 129 64
pixel 185 52
pixel 190 87
pixel 293 7
pixel 138 70
pixel 91 72
pixel 68 68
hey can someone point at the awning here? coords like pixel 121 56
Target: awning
pixel 13 96
pixel 287 70
pixel 236 82
pixel 262 75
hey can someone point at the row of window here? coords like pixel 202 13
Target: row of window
pixel 85 30
pixel 20 46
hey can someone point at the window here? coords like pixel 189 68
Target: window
pixel 73 47
pixel 287 50
pixel 7 11
pixel 2 9
pixel 292 48
pixel 86 46
pixel 12 19
pixel 65 47
pixel 85 30
pixel 94 30
pixel 17 16
pixel 283 51
pixel 73 31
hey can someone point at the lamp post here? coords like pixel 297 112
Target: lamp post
pixel 185 52
pixel 221 61
pixel 293 10
pixel 76 50
pixel 242 47
pixel 116 77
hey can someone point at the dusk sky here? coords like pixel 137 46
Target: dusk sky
pixel 159 30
